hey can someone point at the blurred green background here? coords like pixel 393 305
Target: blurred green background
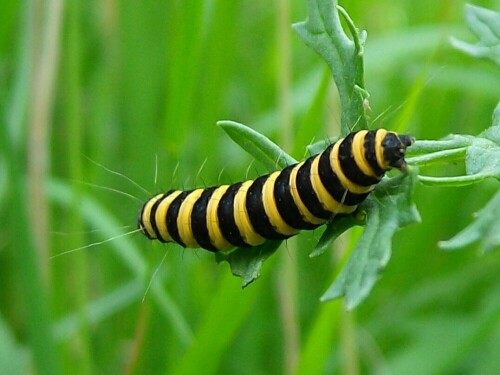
pixel 132 85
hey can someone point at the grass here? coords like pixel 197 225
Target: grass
pixel 125 84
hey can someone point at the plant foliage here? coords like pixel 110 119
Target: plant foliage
pixel 391 207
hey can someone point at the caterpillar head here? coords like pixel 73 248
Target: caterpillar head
pixel 394 146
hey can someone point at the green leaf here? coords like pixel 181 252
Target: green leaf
pixel 247 262
pixel 482 156
pixel 485 231
pixel 389 209
pixel 332 232
pixel 257 145
pixel 496 118
pixel 483 159
pixel 450 142
pixel 485 24
pixel 323 32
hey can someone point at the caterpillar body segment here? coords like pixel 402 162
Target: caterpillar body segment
pixel 278 205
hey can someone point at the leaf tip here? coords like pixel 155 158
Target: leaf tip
pixel 247 281
pixel 223 123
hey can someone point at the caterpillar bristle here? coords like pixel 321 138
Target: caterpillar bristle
pixel 93 244
pixel 121 175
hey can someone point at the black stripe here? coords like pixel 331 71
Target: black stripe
pixel 285 203
pixel 370 154
pixel 332 184
pixel 225 214
pixel 172 214
pixel 306 191
pixel 348 164
pixel 199 220
pixel 257 213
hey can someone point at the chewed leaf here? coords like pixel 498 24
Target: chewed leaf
pixel 247 262
pixel 257 145
pixel 390 209
pixel 485 230
pixel 323 32
pixel 485 24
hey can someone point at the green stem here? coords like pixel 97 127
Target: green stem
pixel 437 157
pixel 358 38
pixel 452 181
pixel 452 142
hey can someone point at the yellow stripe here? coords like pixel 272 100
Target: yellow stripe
pixel 213 226
pixel 184 219
pixel 146 216
pixel 272 210
pixel 241 217
pixel 326 200
pixel 335 164
pixel 161 215
pixel 358 149
pixel 307 216
pixel 379 151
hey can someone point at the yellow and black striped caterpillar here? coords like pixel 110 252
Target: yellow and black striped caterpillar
pixel 278 205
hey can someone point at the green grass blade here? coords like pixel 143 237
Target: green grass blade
pixel 220 322
pixel 126 251
pixel 320 339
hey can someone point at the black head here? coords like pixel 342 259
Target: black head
pixel 394 146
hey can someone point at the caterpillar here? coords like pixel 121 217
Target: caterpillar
pixel 277 205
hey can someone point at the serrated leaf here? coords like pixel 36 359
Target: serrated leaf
pixel 485 230
pixel 485 24
pixel 247 262
pixel 332 232
pixel 389 209
pixel 257 145
pixel 323 32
